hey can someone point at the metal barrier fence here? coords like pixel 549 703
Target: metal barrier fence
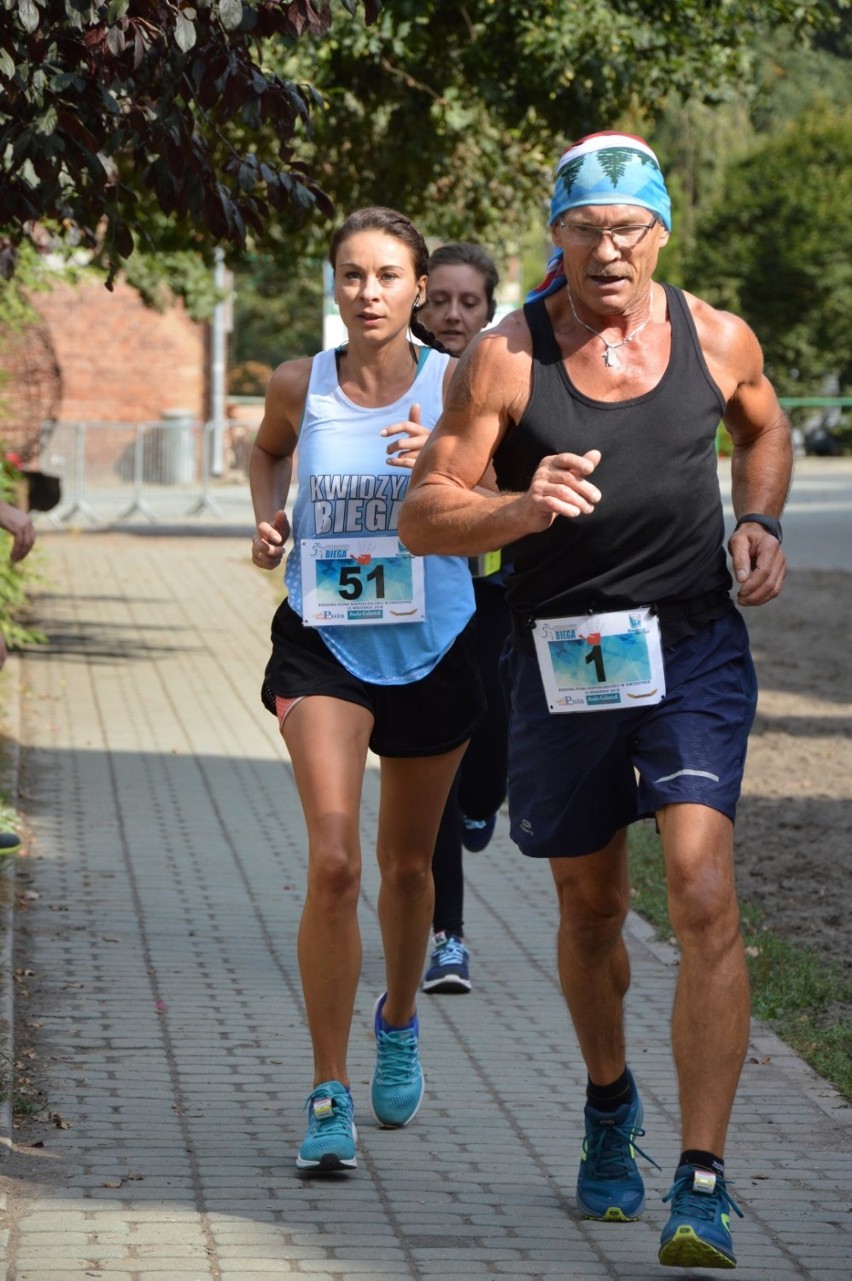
pixel 161 471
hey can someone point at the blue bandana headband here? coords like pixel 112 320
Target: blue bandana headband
pixel 604 169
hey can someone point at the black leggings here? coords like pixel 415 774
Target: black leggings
pixel 479 787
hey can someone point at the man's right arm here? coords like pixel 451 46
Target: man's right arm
pixel 444 513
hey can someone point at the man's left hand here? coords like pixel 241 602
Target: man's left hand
pixel 759 564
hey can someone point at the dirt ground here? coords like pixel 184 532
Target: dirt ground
pixel 794 824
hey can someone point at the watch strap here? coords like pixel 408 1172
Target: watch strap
pixel 768 522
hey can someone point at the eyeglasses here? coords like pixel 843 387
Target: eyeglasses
pixel 625 237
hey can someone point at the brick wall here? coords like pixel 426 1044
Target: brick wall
pixel 120 360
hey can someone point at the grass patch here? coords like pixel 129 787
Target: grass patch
pixel 9 818
pixel 796 991
pixel 29 1103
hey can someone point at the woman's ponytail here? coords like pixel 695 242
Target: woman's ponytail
pixel 425 335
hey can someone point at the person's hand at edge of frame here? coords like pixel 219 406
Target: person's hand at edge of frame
pixel 19 524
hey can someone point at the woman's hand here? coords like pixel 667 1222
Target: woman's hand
pixel 267 547
pixel 412 437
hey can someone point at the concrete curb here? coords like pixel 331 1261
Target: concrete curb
pixel 7 920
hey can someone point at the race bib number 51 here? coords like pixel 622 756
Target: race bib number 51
pixel 360 580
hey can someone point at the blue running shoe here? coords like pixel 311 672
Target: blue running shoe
pixel 330 1141
pixel 396 1089
pixel 448 968
pixel 698 1233
pixel 477 832
pixel 609 1185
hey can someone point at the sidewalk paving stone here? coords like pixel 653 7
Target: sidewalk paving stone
pixel 166 849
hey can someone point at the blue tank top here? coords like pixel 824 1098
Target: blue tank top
pixel 657 536
pixel 346 486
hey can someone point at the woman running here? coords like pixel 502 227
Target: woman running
pixel 371 649
pixel 460 303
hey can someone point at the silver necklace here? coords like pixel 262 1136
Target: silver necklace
pixel 610 359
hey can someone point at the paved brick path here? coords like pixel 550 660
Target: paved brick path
pixel 167 855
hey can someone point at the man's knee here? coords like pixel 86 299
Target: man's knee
pixel 593 892
pixel 699 857
pixel 703 906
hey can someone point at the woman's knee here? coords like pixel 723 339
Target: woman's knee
pixel 334 874
pixel 408 875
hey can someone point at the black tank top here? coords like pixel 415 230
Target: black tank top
pixel 656 537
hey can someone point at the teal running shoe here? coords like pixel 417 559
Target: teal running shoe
pixel 609 1185
pixel 396 1089
pixel 330 1141
pixel 698 1233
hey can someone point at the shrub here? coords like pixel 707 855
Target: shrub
pixel 249 378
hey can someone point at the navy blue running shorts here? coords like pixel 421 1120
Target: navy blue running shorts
pixel 573 776
pixel 424 718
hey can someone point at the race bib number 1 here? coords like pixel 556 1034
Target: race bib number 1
pixel 596 662
pixel 360 580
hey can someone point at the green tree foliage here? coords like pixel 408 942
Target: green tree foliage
pixel 159 278
pixel 456 112
pixel 698 142
pixel 176 125
pixel 109 110
pixel 204 110
pixel 837 36
pixel 278 312
pixel 775 249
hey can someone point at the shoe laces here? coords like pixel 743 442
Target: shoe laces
pixel 336 1118
pixel 699 1205
pixel 608 1147
pixel 449 951
pixel 397 1059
